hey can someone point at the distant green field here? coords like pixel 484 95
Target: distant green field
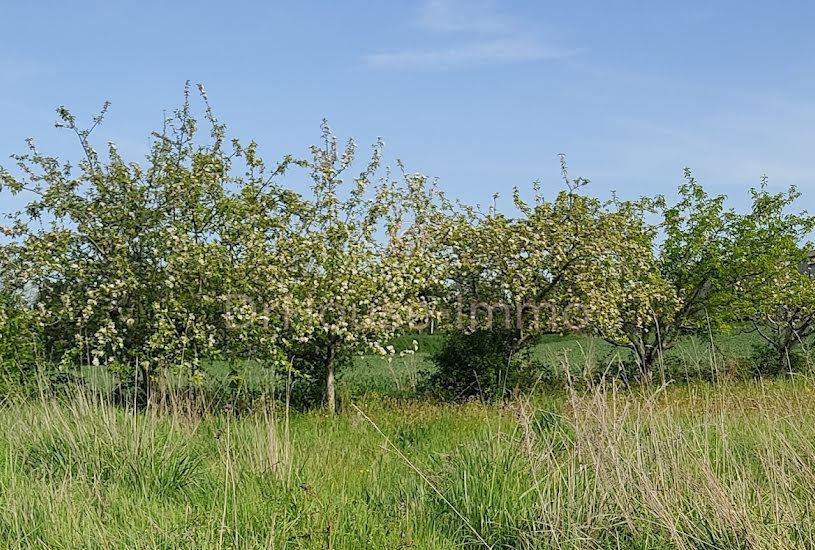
pixel 555 354
pixel 401 374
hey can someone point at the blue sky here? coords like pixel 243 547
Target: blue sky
pixel 481 94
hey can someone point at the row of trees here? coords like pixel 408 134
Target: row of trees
pixel 202 253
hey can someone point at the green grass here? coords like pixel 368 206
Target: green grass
pixel 692 466
pixel 400 375
pixel 687 465
pixel 690 358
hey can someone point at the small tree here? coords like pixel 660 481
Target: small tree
pixel 710 260
pixel 784 317
pixel 356 272
pixel 776 296
pixel 132 265
pixel 550 269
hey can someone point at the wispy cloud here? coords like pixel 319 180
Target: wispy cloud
pixel 480 35
pixel 477 16
pixel 502 50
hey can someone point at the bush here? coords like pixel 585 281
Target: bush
pixel 768 361
pixel 480 364
pixel 19 341
pixel 425 343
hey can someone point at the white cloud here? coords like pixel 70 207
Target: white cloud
pixel 464 16
pixel 502 50
pixel 482 36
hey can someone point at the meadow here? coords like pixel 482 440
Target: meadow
pixel 687 464
pixel 202 350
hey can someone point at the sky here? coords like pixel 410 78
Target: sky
pixel 481 94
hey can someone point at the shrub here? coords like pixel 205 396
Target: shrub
pixel 480 363
pixel 19 342
pixel 766 360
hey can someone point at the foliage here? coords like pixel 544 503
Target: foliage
pixel 20 344
pixel 546 270
pixel 778 299
pixel 201 255
pixel 783 315
pixel 565 264
pixel 480 364
pixel 131 264
pixel 767 361
pixel 687 270
pixel 355 271
pixel 712 265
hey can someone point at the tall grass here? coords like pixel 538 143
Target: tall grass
pixel 694 466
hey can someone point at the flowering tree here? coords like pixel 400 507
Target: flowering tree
pixel 784 316
pixel 132 264
pixel 201 254
pixel 355 261
pixel 546 270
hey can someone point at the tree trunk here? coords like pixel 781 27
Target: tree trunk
pixel 649 362
pixel 330 381
pixel 784 360
pixel 142 386
pixel 786 352
pixel 647 355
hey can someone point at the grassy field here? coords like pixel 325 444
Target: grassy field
pixel 691 358
pixel 687 466
pixel 400 376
